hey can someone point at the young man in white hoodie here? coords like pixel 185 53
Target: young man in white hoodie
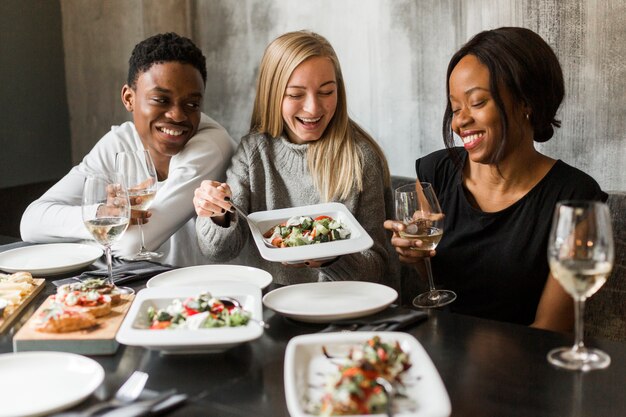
pixel 164 92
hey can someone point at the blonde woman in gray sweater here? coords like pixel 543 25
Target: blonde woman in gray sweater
pixel 302 149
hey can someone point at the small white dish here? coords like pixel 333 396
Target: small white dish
pixel 359 239
pixel 200 275
pixel 49 259
pixel 30 382
pixel 307 369
pixel 323 302
pixel 135 332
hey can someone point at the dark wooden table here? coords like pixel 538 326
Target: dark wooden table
pixel 489 369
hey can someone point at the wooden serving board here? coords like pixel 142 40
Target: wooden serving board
pixel 98 340
pixel 7 319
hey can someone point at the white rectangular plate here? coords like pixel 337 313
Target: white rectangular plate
pixel 306 370
pixel 135 333
pixel 359 239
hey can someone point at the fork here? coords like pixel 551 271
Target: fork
pixel 390 391
pixel 126 394
pixel 251 223
pixel 237 304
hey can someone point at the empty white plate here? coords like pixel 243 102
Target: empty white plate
pixel 198 276
pixel 39 383
pixel 322 302
pixel 49 259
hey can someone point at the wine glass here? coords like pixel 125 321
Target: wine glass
pixel 580 254
pixel 417 207
pixel 106 213
pixel 141 181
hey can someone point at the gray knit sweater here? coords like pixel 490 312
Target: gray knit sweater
pixel 272 173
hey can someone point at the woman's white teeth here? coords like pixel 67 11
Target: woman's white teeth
pixel 172 132
pixel 306 120
pixel 471 138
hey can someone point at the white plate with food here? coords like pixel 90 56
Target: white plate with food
pixel 191 320
pixel 49 259
pixel 313 381
pixel 323 302
pixel 339 233
pixel 200 275
pixel 30 382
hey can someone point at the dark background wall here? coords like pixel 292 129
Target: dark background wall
pixel 35 142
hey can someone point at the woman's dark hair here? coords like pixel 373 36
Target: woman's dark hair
pixel 522 62
pixel 164 47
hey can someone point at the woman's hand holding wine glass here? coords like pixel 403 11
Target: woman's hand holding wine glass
pixel 106 213
pixel 419 211
pixel 580 254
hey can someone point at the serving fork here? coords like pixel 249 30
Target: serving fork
pixel 251 223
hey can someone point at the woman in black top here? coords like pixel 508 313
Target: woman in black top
pixel 498 192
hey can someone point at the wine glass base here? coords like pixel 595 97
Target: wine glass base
pixel 143 256
pixel 584 359
pixel 125 290
pixel 434 299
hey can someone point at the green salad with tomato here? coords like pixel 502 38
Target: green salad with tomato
pixel 201 312
pixel 304 230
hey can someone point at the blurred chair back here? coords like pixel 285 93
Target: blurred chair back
pixel 605 312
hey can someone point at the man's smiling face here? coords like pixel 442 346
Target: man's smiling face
pixel 166 103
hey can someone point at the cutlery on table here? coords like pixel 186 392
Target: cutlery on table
pixel 160 403
pixel 126 394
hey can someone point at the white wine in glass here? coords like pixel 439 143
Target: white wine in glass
pixel 106 213
pixel 418 208
pixel 580 254
pixel 141 181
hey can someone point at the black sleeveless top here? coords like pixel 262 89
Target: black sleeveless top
pixel 497 262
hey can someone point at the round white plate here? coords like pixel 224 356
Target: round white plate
pixel 197 276
pixel 49 259
pixel 40 383
pixel 322 302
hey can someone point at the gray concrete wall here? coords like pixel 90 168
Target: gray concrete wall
pixel 394 55
pixel 34 121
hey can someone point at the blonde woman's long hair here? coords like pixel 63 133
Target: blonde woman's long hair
pixel 335 160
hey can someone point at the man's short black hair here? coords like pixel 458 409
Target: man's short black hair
pixel 164 47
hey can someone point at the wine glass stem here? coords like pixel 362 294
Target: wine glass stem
pixel 579 311
pixel 431 284
pixel 143 245
pixel 107 251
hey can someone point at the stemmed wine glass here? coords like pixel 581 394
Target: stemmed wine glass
pixel 417 207
pixel 141 181
pixel 580 254
pixel 106 213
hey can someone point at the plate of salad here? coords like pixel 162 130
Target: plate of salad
pixel 296 234
pixel 336 374
pixel 193 319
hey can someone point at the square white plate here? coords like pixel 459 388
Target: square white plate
pixel 307 369
pixel 135 332
pixel 359 239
